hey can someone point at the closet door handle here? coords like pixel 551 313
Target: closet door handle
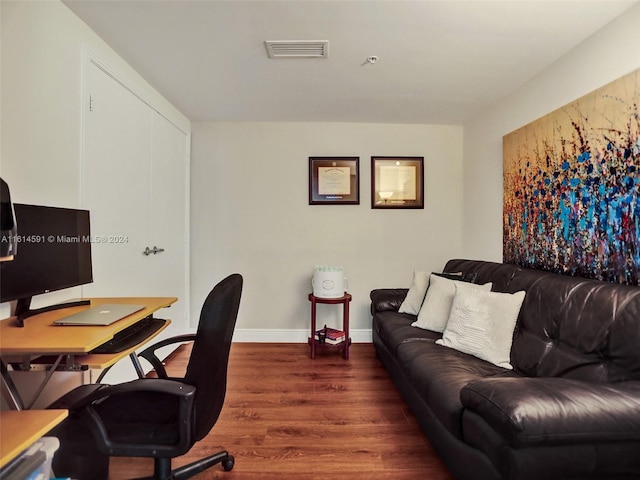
pixel 155 250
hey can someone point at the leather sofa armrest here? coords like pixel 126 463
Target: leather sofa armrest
pixel 387 299
pixel 531 411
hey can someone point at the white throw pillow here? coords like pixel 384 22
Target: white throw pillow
pixel 482 323
pixel 435 309
pixel 417 291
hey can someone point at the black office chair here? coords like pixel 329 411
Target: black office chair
pixel 160 418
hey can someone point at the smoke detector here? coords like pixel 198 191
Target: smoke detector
pixel 297 48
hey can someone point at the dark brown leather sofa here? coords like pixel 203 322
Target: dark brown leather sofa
pixel 570 408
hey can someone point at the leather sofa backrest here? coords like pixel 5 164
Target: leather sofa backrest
pixel 568 327
pixel 500 274
pixel 577 328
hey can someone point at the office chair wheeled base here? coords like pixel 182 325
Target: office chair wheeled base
pixel 162 467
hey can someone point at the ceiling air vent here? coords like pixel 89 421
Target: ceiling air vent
pixel 297 48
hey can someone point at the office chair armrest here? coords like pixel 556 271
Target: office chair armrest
pixel 172 387
pixel 82 397
pixel 149 353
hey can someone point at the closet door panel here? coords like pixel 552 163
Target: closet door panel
pixel 169 218
pixel 117 185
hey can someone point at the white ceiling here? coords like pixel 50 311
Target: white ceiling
pixel 440 61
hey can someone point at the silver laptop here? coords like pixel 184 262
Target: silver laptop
pixel 104 314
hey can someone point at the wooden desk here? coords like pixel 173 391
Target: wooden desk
pixel 18 430
pixel 40 336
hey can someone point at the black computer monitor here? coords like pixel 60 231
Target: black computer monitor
pixel 53 253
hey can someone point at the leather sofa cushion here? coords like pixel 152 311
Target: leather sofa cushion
pixel 395 328
pixel 532 411
pixel 590 460
pixel 576 328
pixel 438 374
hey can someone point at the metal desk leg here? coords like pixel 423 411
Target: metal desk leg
pixel 136 365
pixel 11 394
pixel 11 391
pixel 50 373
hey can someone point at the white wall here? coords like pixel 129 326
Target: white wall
pixel 249 181
pixel 606 56
pixel 42 48
pixel 250 214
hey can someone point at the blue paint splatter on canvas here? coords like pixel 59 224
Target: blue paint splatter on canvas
pixel 572 187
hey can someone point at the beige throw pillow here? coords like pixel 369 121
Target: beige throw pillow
pixel 482 324
pixel 417 291
pixel 435 309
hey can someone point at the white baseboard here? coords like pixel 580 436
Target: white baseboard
pixel 275 335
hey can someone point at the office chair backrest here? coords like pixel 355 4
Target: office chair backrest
pixel 207 368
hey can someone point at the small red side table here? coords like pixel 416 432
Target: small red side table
pixel 344 346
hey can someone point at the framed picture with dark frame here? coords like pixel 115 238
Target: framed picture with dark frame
pixel 334 181
pixel 397 182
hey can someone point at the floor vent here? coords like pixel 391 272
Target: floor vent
pixel 297 48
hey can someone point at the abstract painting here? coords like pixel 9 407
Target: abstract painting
pixel 571 187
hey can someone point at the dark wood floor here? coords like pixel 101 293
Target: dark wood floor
pixel 288 417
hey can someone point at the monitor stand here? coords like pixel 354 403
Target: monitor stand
pixel 23 310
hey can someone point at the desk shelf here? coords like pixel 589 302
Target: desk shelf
pixel 71 345
pixel 19 429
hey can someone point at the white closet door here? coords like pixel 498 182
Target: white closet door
pixel 117 186
pixel 135 184
pixel 168 269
